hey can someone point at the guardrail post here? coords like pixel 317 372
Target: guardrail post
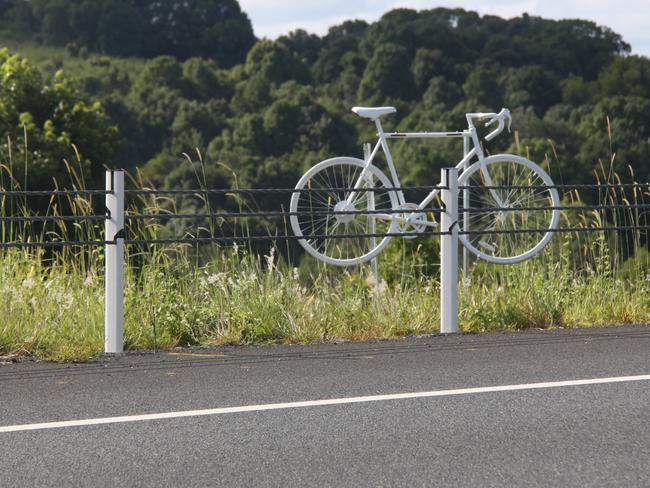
pixel 449 252
pixel 367 149
pixel 114 271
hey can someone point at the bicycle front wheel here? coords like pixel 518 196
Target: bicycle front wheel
pixel 512 218
pixel 339 221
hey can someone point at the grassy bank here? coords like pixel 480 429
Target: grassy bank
pixel 51 302
pixel 55 311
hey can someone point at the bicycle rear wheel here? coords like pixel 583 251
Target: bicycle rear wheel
pixel 353 236
pixel 519 228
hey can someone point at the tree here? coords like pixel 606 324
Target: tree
pixel 394 28
pixel 303 45
pixel 5 5
pixel 269 107
pixel 154 98
pixel 55 22
pixel 161 71
pixel 119 29
pixel 427 64
pixel 273 62
pixel 388 76
pixel 207 28
pixel 268 65
pixel 576 91
pixel 340 41
pixel 441 92
pixel 196 124
pixel 21 19
pixel 482 87
pixel 628 76
pixel 500 49
pixel 215 29
pixel 530 86
pixel 204 81
pixel 42 122
pixel 616 131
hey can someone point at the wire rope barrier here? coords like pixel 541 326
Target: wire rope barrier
pixel 53 218
pixel 46 244
pixel 578 186
pixel 275 214
pixel 121 223
pixel 53 193
pixel 252 191
pixel 168 215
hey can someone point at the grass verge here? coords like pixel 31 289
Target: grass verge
pixel 55 312
pixel 51 302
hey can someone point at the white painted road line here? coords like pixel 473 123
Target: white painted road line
pixel 317 403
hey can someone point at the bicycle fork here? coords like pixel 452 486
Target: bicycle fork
pixel 489 182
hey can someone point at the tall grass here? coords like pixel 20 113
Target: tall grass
pixel 52 301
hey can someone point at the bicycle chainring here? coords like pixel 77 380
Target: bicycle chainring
pixel 417 220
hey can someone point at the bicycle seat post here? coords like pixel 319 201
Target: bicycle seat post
pixel 389 159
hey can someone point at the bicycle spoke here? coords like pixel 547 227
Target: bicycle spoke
pixel 495 232
pixel 346 222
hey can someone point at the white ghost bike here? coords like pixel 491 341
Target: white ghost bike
pixel 344 204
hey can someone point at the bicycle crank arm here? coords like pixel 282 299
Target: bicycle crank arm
pixel 404 220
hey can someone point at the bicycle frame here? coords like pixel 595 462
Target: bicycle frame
pixel 397 217
pixel 382 143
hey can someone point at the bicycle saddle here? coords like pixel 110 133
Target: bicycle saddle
pixel 373 112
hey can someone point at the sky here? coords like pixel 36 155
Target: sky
pixel 272 18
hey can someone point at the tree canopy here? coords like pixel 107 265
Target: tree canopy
pixel 268 109
pixel 215 29
pixel 41 122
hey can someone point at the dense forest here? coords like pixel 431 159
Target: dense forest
pixel 153 84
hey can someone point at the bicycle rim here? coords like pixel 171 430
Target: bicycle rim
pixel 330 234
pixel 520 228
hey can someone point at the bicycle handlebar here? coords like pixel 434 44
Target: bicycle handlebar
pixel 501 118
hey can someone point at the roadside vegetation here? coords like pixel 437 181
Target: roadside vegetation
pixel 98 84
pixel 181 295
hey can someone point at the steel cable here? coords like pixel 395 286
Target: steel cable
pixel 5 245
pixel 223 191
pixel 48 193
pixel 54 218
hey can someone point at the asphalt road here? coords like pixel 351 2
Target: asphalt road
pixel 546 435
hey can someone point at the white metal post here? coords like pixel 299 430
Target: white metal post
pixel 367 149
pixel 465 214
pixel 114 272
pixel 449 252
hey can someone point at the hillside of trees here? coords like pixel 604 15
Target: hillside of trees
pixel 262 111
pixel 202 28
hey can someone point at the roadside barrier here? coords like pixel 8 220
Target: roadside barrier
pixel 116 238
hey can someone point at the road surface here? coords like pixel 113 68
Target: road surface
pixel 542 408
